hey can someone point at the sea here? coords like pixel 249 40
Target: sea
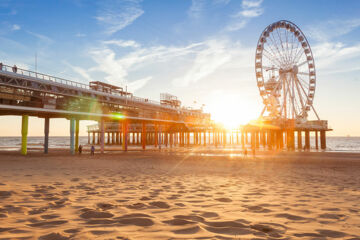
pixel 334 144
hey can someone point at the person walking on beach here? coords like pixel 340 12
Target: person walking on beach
pixel 80 149
pixel 245 152
pixel 92 150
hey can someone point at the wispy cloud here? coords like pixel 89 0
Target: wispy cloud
pixel 336 57
pixel 249 9
pixel 15 27
pixel 80 35
pixel 122 43
pixel 116 67
pixel 81 71
pixel 196 8
pixel 213 55
pixel 118 14
pixel 327 30
pixel 41 37
pixel 251 3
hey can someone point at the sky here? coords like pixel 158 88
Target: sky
pixel 202 51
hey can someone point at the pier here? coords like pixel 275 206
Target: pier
pixel 126 120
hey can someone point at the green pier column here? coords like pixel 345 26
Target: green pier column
pixel 24 132
pixel 77 126
pixel 72 135
pixel 102 136
pixel 46 133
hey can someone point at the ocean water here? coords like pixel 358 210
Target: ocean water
pixel 338 144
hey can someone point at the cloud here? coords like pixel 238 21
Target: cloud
pixel 224 2
pixel 80 35
pixel 196 8
pixel 115 15
pixel 251 3
pixel 41 37
pixel 82 72
pixel 250 13
pixel 15 27
pixel 138 84
pixel 336 55
pixel 249 9
pixel 325 31
pixel 122 43
pixel 116 67
pixel 214 54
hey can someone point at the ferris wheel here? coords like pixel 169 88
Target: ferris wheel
pixel 285 72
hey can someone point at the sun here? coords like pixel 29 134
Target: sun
pixel 232 111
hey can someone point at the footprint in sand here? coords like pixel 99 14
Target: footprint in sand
pixel 331 233
pixel 223 199
pixel 47 224
pixel 137 219
pixel 257 209
pixel 290 217
pixel 88 214
pixel 160 204
pixel 5 194
pixel 178 222
pixel 105 206
pixel 53 236
pixel 137 206
pixel 191 230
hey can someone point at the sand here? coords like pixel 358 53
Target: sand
pixel 184 195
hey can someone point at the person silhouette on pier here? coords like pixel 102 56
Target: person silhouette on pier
pixel 92 150
pixel 14 68
pixel 80 149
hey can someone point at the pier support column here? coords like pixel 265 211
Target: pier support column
pixel 125 135
pixel 77 127
pixel 204 138
pixel 46 133
pixel 93 137
pixel 290 139
pixel 307 140
pixel 316 140
pixel 143 136
pixel 257 141
pixel 242 140
pixel 24 133
pixel 156 136
pixel 323 139
pixel 159 136
pixel 188 139
pixel 102 136
pixel 88 137
pixel 299 140
pixel 253 142
pixel 72 135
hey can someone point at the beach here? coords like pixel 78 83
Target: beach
pixel 179 195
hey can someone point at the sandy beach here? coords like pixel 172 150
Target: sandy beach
pixel 179 195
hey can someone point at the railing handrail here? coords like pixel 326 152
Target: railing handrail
pixel 43 76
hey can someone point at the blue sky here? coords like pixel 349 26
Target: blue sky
pixel 200 50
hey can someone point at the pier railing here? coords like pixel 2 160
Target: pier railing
pixel 29 73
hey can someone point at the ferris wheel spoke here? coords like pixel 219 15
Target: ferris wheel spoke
pixel 292 95
pixel 267 68
pixel 281 43
pixel 299 55
pixel 274 54
pixel 300 64
pixel 299 93
pixel 303 73
pixel 271 58
pixel 271 36
pixel 303 90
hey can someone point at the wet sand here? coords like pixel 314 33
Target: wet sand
pixel 184 195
